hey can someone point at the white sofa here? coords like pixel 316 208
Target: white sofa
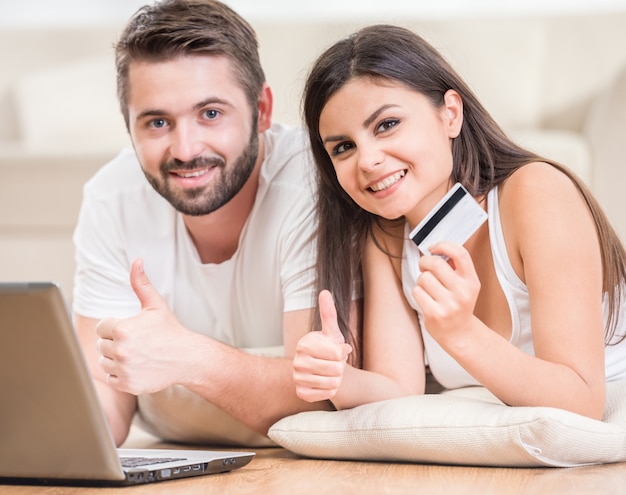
pixel 558 84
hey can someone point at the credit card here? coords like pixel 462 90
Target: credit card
pixel 455 219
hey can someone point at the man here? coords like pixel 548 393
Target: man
pixel 216 204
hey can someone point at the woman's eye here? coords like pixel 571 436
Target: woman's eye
pixel 342 148
pixel 211 114
pixel 387 124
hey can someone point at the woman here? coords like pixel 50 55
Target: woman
pixel 529 307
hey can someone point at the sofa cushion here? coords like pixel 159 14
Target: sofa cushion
pixel 606 129
pixel 566 147
pixel 464 427
pixel 73 105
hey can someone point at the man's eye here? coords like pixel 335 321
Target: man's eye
pixel 211 114
pixel 387 124
pixel 158 123
pixel 342 148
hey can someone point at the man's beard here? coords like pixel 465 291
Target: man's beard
pixel 205 200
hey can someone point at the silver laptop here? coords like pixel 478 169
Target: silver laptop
pixel 52 427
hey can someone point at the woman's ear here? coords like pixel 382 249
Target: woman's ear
pixel 453 105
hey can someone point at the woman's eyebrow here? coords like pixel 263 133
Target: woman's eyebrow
pixel 366 123
pixel 334 139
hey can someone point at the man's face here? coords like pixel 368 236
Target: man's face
pixel 193 130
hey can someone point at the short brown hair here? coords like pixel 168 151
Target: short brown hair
pixel 173 28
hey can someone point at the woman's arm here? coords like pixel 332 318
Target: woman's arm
pixel 393 358
pixel 553 246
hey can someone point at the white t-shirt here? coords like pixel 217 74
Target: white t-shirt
pixel 239 302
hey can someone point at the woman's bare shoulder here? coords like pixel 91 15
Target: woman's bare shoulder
pixel 537 185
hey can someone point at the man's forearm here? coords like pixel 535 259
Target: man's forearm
pixel 256 390
pixel 119 409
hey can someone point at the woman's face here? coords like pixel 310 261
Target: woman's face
pixel 391 148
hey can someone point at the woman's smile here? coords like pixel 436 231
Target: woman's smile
pixel 388 181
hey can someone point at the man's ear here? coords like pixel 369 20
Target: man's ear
pixel 453 112
pixel 266 101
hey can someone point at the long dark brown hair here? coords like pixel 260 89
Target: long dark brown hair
pixel 483 155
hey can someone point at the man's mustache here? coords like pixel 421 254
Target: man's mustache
pixel 195 163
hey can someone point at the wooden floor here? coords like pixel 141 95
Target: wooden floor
pixel 277 471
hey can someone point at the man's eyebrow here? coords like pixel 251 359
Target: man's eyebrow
pixel 211 101
pixel 151 113
pixel 366 123
pixel 155 112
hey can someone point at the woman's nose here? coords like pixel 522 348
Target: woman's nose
pixel 369 157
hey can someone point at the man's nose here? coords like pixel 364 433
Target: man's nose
pixel 186 142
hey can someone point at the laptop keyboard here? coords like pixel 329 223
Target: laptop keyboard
pixel 130 462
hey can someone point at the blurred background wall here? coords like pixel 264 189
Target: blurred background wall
pixel 69 12
pixel 552 72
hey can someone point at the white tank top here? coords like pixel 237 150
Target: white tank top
pixel 443 367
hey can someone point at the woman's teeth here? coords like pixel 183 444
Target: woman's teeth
pixel 388 181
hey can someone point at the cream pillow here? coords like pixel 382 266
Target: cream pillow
pixel 179 415
pixel 465 427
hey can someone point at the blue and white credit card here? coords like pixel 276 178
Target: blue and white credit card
pixel 454 219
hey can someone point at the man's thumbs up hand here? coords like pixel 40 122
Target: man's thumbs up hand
pixel 146 352
pixel 148 297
